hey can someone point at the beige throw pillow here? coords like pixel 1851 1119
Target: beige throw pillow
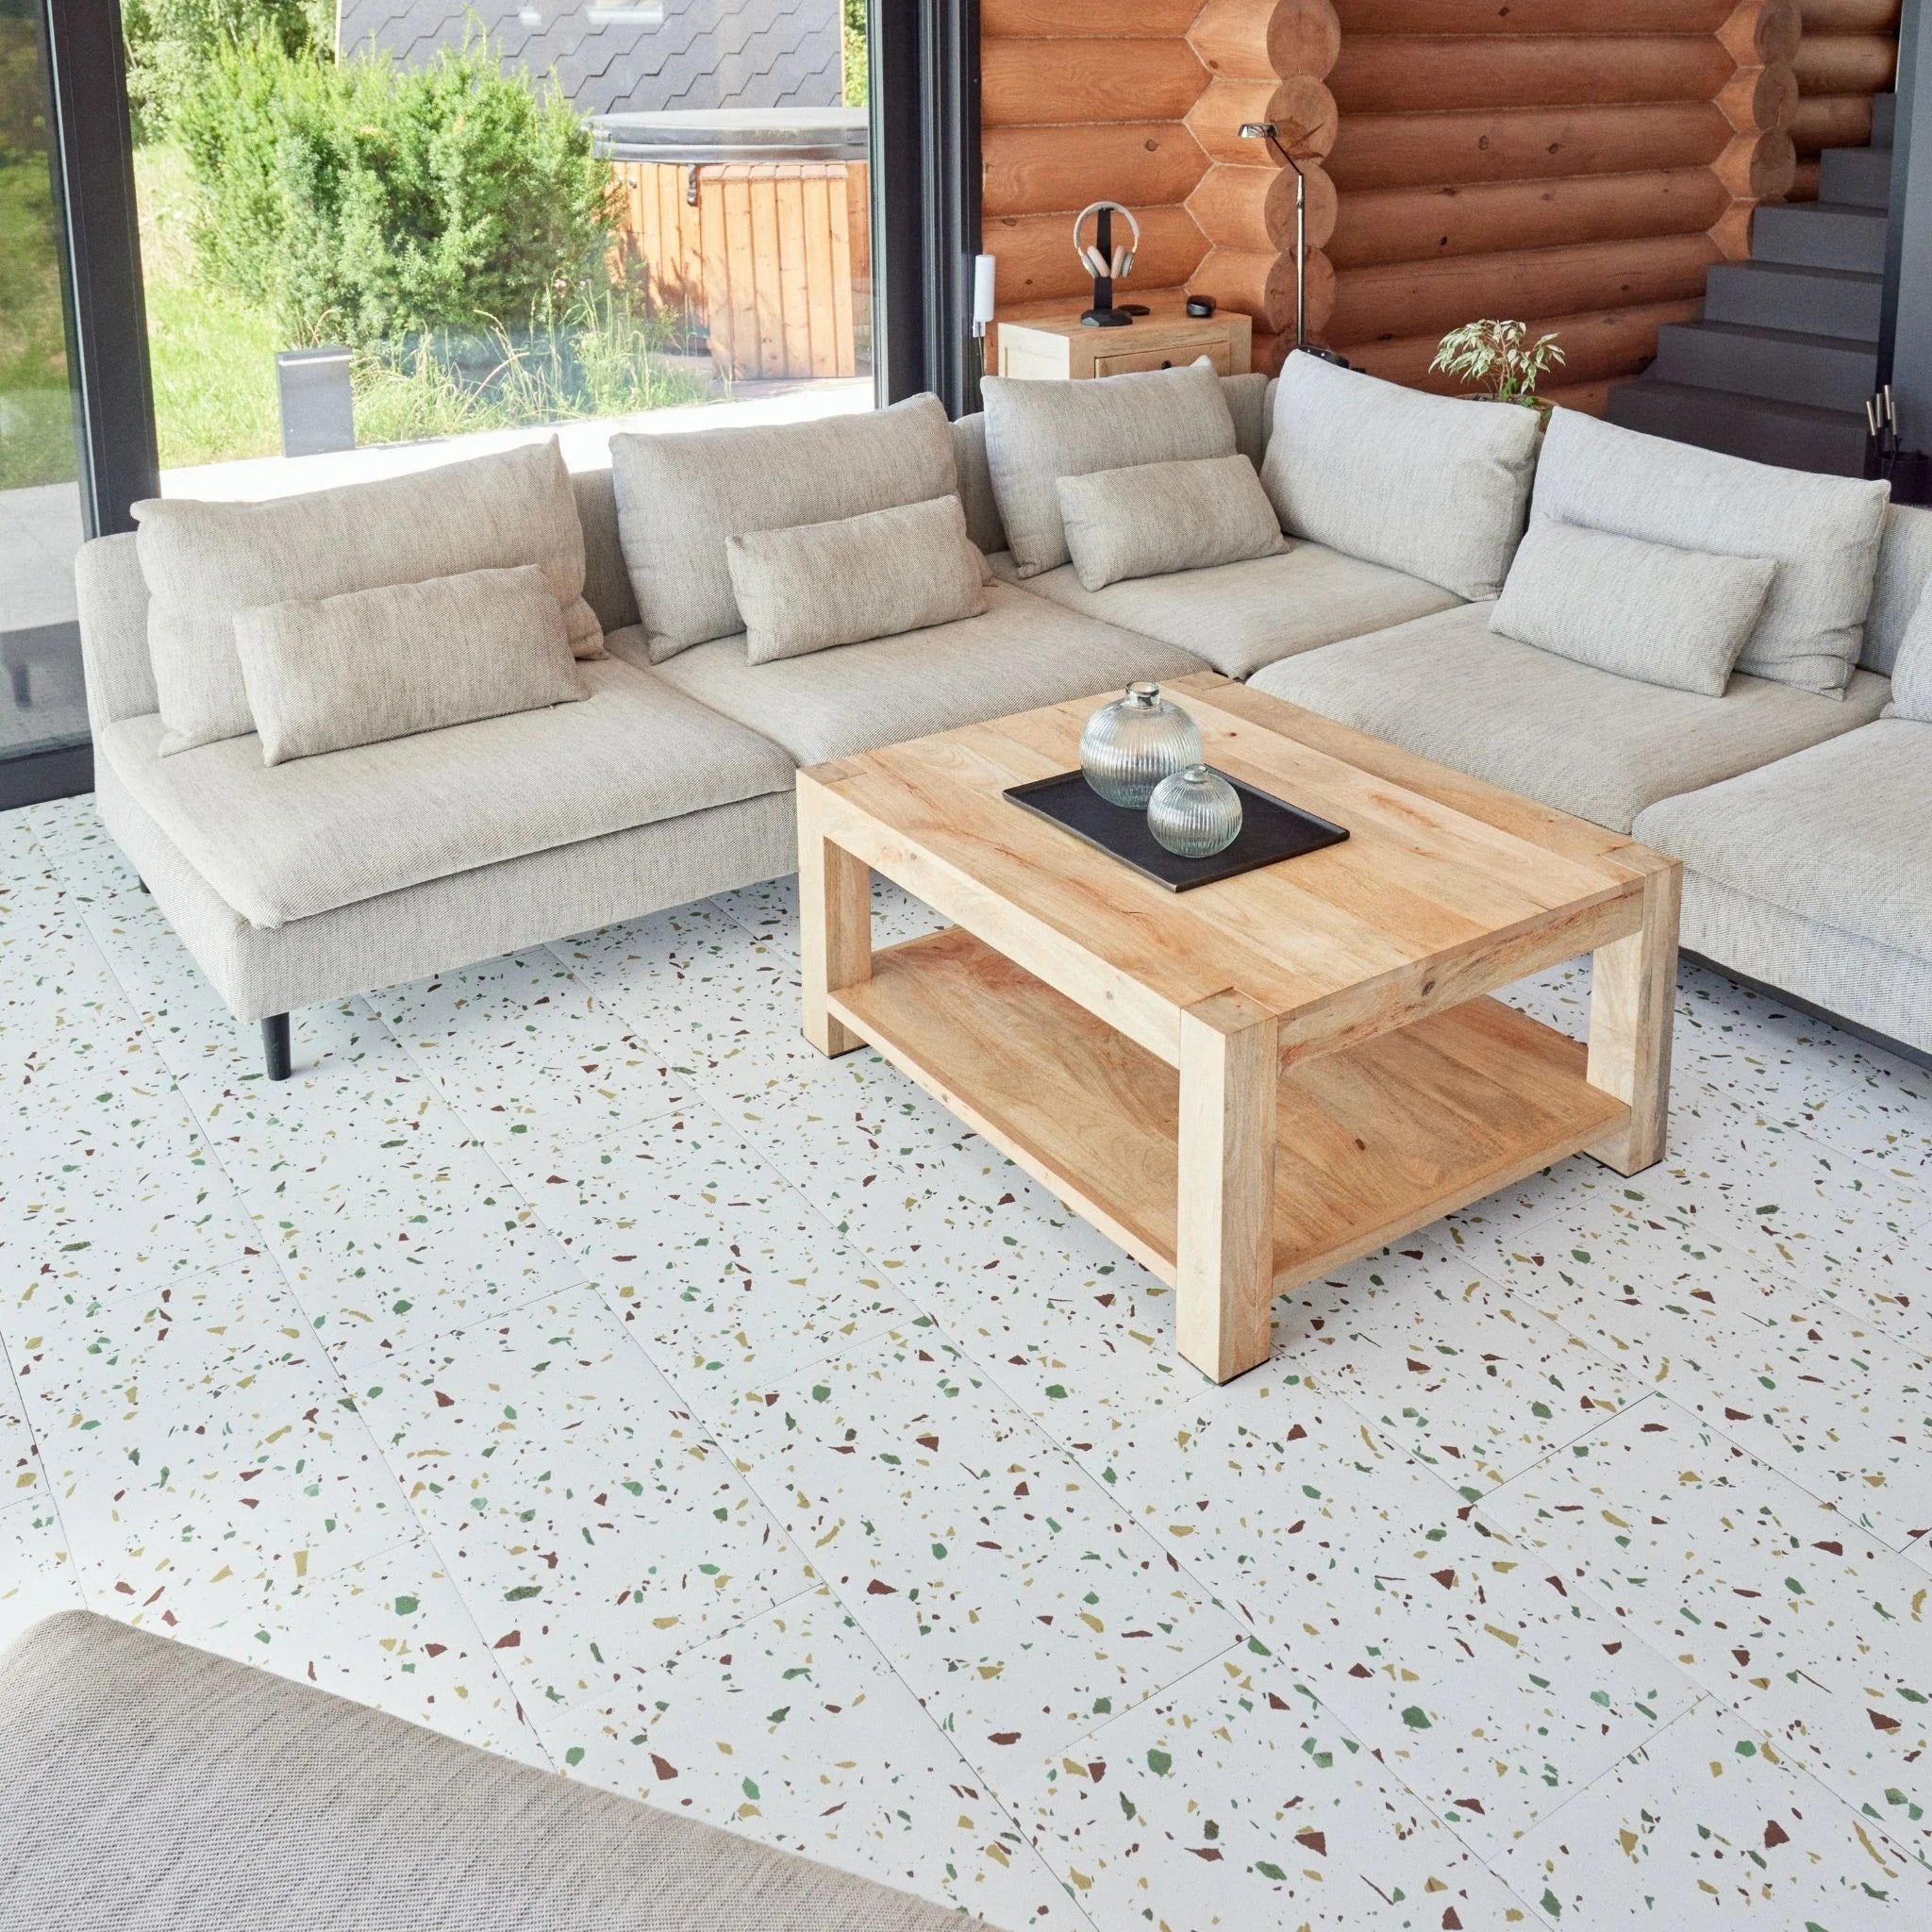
pixel 1038 432
pixel 325 674
pixel 876 575
pixel 1155 518
pixel 1425 484
pixel 1822 533
pixel 1644 611
pixel 681 499
pixel 206 562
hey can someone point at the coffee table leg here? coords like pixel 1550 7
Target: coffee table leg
pixel 1225 1262
pixel 1633 998
pixel 835 926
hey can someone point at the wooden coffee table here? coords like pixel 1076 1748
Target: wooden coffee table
pixel 1250 1084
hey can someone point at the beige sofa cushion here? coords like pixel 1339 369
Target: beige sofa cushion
pixel 682 497
pixel 1157 518
pixel 204 562
pixel 282 843
pixel 1822 531
pixel 1912 671
pixel 1427 485
pixel 823 585
pixel 335 672
pixel 1024 652
pixel 1644 611
pixel 1575 737
pixel 1240 616
pixel 1038 432
pixel 1840 833
pixel 152 1785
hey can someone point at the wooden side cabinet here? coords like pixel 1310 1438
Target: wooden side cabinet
pixel 1058 348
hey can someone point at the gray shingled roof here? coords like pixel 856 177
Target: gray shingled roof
pixel 615 56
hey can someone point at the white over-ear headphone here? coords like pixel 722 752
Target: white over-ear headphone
pixel 1091 258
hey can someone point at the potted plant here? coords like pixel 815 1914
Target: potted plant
pixel 1499 358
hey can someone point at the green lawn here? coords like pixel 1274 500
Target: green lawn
pixel 36 418
pixel 213 358
pixel 214 373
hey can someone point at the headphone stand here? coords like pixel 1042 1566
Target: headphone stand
pixel 1103 314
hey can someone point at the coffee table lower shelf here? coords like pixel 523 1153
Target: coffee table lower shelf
pixel 1373 1141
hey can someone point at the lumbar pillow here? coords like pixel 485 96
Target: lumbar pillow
pixel 1155 518
pixel 1430 485
pixel 1644 611
pixel 1038 432
pixel 204 562
pixel 875 576
pixel 327 673
pixel 681 499
pixel 1822 533
pixel 1911 672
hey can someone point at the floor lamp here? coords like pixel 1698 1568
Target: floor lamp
pixel 1266 131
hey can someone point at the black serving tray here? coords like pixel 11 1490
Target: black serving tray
pixel 1271 831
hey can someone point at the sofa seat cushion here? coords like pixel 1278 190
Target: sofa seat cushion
pixel 1022 653
pixel 1841 833
pixel 150 1785
pixel 282 843
pixel 1240 616
pixel 1585 740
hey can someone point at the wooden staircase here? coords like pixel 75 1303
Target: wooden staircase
pixel 1780 364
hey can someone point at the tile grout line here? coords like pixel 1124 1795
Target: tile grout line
pixel 345 1394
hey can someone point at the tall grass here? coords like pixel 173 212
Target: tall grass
pixel 597 360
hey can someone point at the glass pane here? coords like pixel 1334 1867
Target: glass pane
pixel 381 235
pixel 41 705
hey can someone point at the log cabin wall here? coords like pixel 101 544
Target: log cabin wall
pixel 1848 54
pixel 1576 163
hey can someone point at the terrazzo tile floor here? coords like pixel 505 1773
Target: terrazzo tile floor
pixel 570 1359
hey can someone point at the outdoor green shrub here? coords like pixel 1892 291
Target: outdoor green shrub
pixel 365 202
pixel 36 420
pixel 171 43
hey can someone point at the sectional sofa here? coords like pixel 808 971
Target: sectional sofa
pixel 1804 817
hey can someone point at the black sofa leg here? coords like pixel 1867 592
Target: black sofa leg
pixel 274 1046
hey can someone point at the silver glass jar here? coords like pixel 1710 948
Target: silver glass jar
pixel 1194 813
pixel 1130 745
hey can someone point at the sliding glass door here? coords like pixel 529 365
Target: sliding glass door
pixel 378 235
pixel 43 706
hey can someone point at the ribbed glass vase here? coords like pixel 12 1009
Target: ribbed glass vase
pixel 1194 813
pixel 1130 745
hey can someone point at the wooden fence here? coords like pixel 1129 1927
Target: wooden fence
pixel 772 259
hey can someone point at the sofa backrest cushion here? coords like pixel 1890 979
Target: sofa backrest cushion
pixel 1911 670
pixel 326 673
pixel 111 597
pixel 1249 399
pixel 818 585
pixel 976 483
pixel 1425 484
pixel 606 582
pixel 1157 518
pixel 206 562
pixel 1644 611
pixel 1038 432
pixel 681 498
pixel 1822 531
pixel 1904 571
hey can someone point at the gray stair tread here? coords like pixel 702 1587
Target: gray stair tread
pixel 1862 175
pixel 1690 396
pixel 1826 442
pixel 1809 270
pixel 1753 332
pixel 1820 210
